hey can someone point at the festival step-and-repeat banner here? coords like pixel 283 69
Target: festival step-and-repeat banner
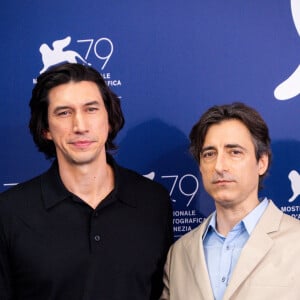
pixel 168 61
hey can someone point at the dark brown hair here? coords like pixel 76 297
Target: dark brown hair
pixel 62 74
pixel 239 111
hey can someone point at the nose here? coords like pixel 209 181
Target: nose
pixel 79 124
pixel 221 163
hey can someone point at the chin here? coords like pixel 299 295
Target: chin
pixel 224 200
pixel 80 161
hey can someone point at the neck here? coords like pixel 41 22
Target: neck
pixel 91 182
pixel 228 217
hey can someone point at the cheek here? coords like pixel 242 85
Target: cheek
pixel 56 132
pixel 105 127
pixel 206 168
pixel 205 174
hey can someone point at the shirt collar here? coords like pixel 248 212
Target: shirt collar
pixel 253 217
pixel 211 225
pixel 54 191
pixel 249 222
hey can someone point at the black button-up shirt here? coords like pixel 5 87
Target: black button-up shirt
pixel 54 246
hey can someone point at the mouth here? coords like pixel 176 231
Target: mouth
pixel 222 182
pixel 81 144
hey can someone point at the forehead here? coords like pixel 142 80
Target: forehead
pixel 228 132
pixel 74 93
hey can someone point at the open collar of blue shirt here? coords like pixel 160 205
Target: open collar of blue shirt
pixel 249 222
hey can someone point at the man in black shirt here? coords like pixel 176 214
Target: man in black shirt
pixel 87 228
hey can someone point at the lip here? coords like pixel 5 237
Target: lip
pixel 222 182
pixel 81 144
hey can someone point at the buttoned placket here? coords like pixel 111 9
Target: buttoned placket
pixel 227 254
pixel 95 235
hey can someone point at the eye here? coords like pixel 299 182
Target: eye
pixel 236 152
pixel 92 109
pixel 208 154
pixel 63 113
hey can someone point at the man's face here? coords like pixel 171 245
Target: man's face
pixel 78 122
pixel 230 171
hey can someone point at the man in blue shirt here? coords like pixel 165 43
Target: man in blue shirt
pixel 247 248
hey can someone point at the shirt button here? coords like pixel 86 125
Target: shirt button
pixel 97 238
pixel 95 214
pixel 227 247
pixel 223 279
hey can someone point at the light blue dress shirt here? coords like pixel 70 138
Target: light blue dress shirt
pixel 222 253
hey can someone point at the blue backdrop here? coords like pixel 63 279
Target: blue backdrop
pixel 169 61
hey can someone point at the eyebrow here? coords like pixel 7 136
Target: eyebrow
pixel 58 108
pixel 207 148
pixel 95 102
pixel 228 146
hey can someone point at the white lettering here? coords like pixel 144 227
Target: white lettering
pixel 194 220
pixel 113 82
pixel 182 228
pixel 106 75
pixel 293 208
pixel 184 213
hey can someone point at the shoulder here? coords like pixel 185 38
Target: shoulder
pixel 139 182
pixel 190 239
pixel 274 213
pixel 14 196
pixel 186 247
pixel 148 196
pixel 127 179
pixel 279 225
pixel 289 222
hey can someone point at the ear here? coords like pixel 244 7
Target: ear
pixel 47 135
pixel 263 164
